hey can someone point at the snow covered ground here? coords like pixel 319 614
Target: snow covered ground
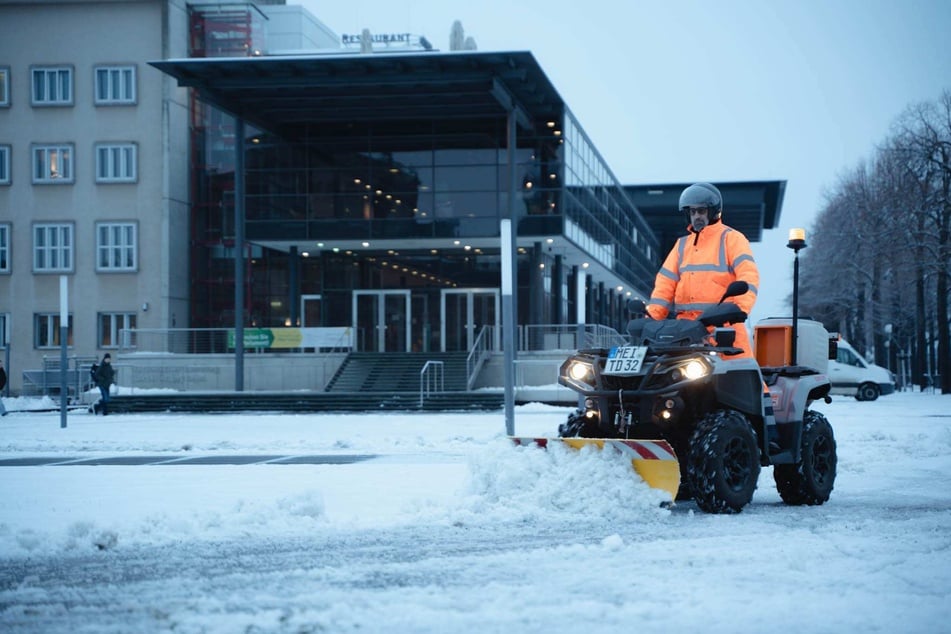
pixel 450 528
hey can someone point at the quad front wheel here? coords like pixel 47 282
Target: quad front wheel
pixel 809 482
pixel 723 462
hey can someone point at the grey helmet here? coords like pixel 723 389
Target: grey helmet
pixel 702 195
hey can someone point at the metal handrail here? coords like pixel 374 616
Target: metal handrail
pixel 430 380
pixel 479 352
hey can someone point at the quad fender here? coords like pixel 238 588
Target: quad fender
pixel 739 386
pixel 792 393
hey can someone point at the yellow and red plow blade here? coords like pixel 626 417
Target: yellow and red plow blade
pixel 653 460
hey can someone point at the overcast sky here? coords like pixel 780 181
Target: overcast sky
pixel 732 90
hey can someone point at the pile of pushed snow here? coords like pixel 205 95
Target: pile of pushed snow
pixel 528 483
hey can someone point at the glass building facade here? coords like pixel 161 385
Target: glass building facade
pixel 392 224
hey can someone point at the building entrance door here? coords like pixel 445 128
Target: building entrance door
pixel 381 321
pixel 464 311
pixel 310 311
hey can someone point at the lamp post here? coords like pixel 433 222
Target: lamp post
pixel 797 242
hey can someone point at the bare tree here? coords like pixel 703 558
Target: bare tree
pixel 881 269
pixel 924 131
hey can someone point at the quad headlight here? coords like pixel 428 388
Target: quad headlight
pixel 688 369
pixel 579 370
pixel 695 369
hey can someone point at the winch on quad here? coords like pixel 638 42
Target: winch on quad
pixel 697 420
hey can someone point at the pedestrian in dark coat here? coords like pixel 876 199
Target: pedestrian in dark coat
pixel 105 377
pixel 3 384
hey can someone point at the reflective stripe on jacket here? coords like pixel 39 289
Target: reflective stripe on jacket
pixel 699 268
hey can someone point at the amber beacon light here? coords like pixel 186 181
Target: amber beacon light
pixel 797 239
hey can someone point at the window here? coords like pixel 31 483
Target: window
pixel 116 247
pixel 5 248
pixel 53 164
pixel 4 86
pixel 46 330
pixel 111 326
pixel 4 330
pixel 5 164
pixel 53 86
pixel 116 163
pixel 115 85
pixel 52 248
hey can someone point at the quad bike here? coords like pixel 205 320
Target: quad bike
pixel 696 420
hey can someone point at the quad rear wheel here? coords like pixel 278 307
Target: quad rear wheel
pixel 810 482
pixel 723 462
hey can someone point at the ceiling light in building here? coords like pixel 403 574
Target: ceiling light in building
pixel 585 265
pixel 320 245
pixel 628 293
pixel 434 251
pixel 620 288
pixel 336 249
pixel 557 132
pixel 393 170
pixel 365 244
pixel 305 254
pixel 357 181
pixel 542 265
pixel 550 240
pixel 467 248
pixel 455 242
pixel 379 192
pixel 551 124
pixel 348 252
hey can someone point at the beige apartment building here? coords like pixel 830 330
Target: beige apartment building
pixel 94 170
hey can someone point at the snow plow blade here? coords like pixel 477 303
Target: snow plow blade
pixel 653 460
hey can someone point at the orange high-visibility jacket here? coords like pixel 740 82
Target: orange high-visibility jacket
pixel 697 271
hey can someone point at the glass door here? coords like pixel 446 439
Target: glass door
pixel 381 321
pixel 310 311
pixel 464 312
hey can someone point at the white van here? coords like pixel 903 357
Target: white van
pixel 851 375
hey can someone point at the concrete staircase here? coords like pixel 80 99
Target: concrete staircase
pixel 306 402
pixel 396 372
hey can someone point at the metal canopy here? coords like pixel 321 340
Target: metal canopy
pixel 282 94
pixel 286 95
pixel 749 206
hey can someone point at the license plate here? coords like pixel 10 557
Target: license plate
pixel 625 360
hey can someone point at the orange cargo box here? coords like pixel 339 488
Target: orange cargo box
pixel 773 345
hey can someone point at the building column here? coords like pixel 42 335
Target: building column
pixel 239 255
pixel 293 286
pixel 558 291
pixel 602 303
